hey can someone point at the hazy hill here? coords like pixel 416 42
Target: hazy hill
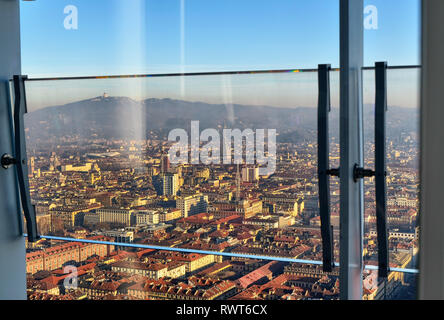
pixel 116 117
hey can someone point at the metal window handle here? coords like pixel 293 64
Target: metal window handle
pixel 324 171
pixel 20 157
pixel 380 172
pixel 380 167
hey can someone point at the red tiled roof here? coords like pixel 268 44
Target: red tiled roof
pixel 250 278
pixel 143 252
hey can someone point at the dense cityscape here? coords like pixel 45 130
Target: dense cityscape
pixel 125 190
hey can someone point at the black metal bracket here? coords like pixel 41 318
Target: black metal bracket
pixel 333 172
pixel 7 160
pixel 361 173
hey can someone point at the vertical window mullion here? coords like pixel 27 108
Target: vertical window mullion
pixel 351 148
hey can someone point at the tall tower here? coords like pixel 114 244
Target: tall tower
pixel 237 183
pixel 32 165
pixel 164 163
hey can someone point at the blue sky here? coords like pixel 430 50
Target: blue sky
pixel 156 36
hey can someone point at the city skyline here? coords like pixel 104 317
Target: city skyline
pixel 121 219
pixel 87 183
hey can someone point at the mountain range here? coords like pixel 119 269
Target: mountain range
pixel 122 117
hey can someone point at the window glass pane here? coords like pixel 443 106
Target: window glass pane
pixel 149 36
pixel 101 166
pixel 117 146
pixel 402 182
pixel 82 38
pixel 392 34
